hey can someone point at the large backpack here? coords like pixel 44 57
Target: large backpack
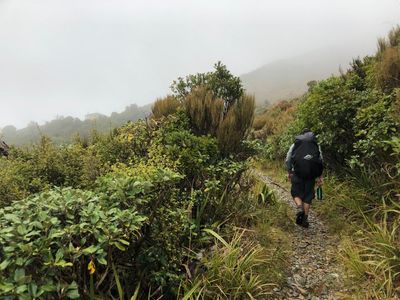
pixel 307 160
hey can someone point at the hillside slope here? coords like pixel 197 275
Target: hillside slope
pixel 285 79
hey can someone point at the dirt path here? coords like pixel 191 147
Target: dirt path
pixel 314 272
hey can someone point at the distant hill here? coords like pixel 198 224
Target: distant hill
pixel 285 79
pixel 63 129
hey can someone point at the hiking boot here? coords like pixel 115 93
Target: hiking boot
pixel 299 217
pixel 304 222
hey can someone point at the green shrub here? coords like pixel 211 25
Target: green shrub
pixel 152 192
pixel 47 241
pixel 128 143
pixel 13 184
pixel 220 82
pixel 374 126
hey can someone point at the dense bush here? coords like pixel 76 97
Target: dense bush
pixel 46 238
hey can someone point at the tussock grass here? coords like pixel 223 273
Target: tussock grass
pixel 246 263
pixel 240 268
pixel 372 257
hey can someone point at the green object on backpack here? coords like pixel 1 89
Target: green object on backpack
pixel 319 193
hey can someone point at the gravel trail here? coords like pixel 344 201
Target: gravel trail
pixel 315 274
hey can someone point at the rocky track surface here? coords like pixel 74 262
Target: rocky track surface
pixel 314 274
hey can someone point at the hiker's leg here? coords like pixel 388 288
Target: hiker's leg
pixel 309 195
pixel 297 191
pixel 298 201
pixel 306 207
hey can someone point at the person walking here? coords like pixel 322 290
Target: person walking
pixel 304 163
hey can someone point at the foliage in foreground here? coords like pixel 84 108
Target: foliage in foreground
pixel 47 237
pixel 122 214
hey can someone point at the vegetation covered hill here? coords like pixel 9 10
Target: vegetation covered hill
pixel 288 78
pixel 64 129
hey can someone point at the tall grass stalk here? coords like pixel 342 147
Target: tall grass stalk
pixel 233 270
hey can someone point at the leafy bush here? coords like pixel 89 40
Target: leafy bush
pixel 374 126
pixel 46 238
pixel 128 143
pixel 13 184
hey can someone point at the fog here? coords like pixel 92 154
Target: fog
pixel 73 57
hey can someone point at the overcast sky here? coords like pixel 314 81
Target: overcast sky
pixel 73 57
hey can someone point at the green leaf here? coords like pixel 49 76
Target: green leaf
pixel 21 229
pixel 59 254
pixel 19 275
pixel 119 246
pixel 56 234
pixel 217 236
pixel 191 291
pixel 6 287
pixel 63 264
pixel 4 264
pixel 73 294
pixel 21 289
pixel 90 250
pixel 33 290
pixel 12 217
pixel 102 261
pixel 135 295
pixel 49 287
pixel 124 242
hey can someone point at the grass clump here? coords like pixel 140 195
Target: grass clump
pixel 246 263
pixel 372 257
pixel 233 270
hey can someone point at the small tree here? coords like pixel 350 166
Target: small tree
pixel 205 112
pixel 220 82
pixel 236 124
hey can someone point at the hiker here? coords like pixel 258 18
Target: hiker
pixel 304 164
pixel 3 149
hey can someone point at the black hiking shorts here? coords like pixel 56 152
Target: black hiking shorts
pixel 303 188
